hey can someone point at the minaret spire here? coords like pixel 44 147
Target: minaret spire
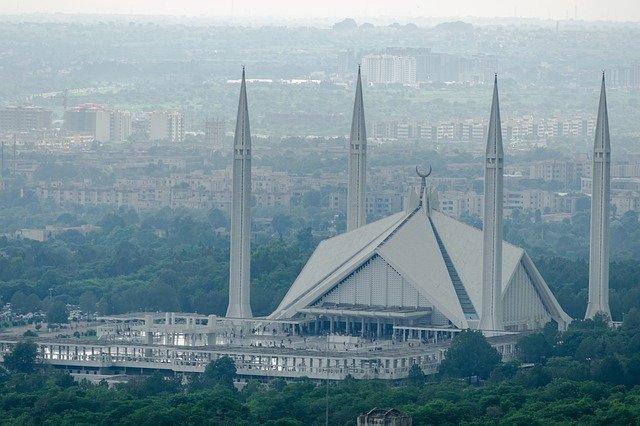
pixel 357 163
pixel 600 210
pixel 491 318
pixel 240 262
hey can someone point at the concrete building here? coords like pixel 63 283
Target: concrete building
pixel 120 126
pixel 370 303
pixel 214 133
pixel 600 215
pixel 385 69
pixel 166 125
pixel 384 417
pixel 105 124
pixel 418 268
pixel 240 262
pixel 24 118
pixel 356 188
pixel 421 269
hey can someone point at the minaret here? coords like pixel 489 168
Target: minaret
pixel 491 318
pixel 240 263
pixel 357 163
pixel 600 207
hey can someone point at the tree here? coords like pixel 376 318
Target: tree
pixel 88 302
pixel 217 219
pixel 470 355
pixel 416 375
pixel 222 371
pixel 57 312
pixel 22 358
pixel 610 370
pixel 312 198
pixel 281 223
pixel 24 303
pixel 631 320
pixel 533 348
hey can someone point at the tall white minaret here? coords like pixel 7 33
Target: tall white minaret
pixel 600 208
pixel 491 317
pixel 240 263
pixel 357 163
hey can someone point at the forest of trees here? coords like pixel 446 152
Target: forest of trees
pixel 126 267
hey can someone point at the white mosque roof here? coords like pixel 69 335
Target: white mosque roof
pixel 407 242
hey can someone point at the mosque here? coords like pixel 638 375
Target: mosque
pixel 418 269
pixel 369 303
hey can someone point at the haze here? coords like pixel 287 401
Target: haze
pixel 592 10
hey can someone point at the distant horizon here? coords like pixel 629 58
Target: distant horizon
pixel 382 21
pixel 375 11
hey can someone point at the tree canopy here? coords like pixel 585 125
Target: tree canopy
pixel 22 358
pixel 470 355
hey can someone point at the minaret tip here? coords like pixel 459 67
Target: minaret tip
pixel 495 78
pixel 356 196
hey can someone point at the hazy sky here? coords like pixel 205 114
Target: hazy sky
pixel 616 10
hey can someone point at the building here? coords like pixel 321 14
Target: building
pixel 417 268
pixel 120 125
pixel 24 119
pixel 384 417
pixel 214 133
pixel 166 125
pixel 421 270
pixel 385 69
pixel 105 124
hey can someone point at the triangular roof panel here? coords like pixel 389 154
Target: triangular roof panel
pixel 335 255
pixel 413 251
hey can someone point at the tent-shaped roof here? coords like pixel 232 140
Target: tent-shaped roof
pixel 437 255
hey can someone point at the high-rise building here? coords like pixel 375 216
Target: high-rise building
pixel 24 118
pixel 166 125
pixel 120 126
pixel 600 215
pixel 102 131
pixel 389 69
pixel 240 253
pixel 214 133
pixel 104 123
pixel 491 318
pixel 356 205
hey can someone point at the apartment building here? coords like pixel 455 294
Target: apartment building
pixel 166 125
pixel 24 118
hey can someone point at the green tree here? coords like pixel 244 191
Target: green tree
pixel 533 348
pixel 57 312
pixel 416 375
pixel 217 219
pixel 88 302
pixel 281 223
pixel 610 370
pixel 470 355
pixel 22 358
pixel 222 371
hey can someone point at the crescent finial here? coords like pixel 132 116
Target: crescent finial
pixel 423 175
